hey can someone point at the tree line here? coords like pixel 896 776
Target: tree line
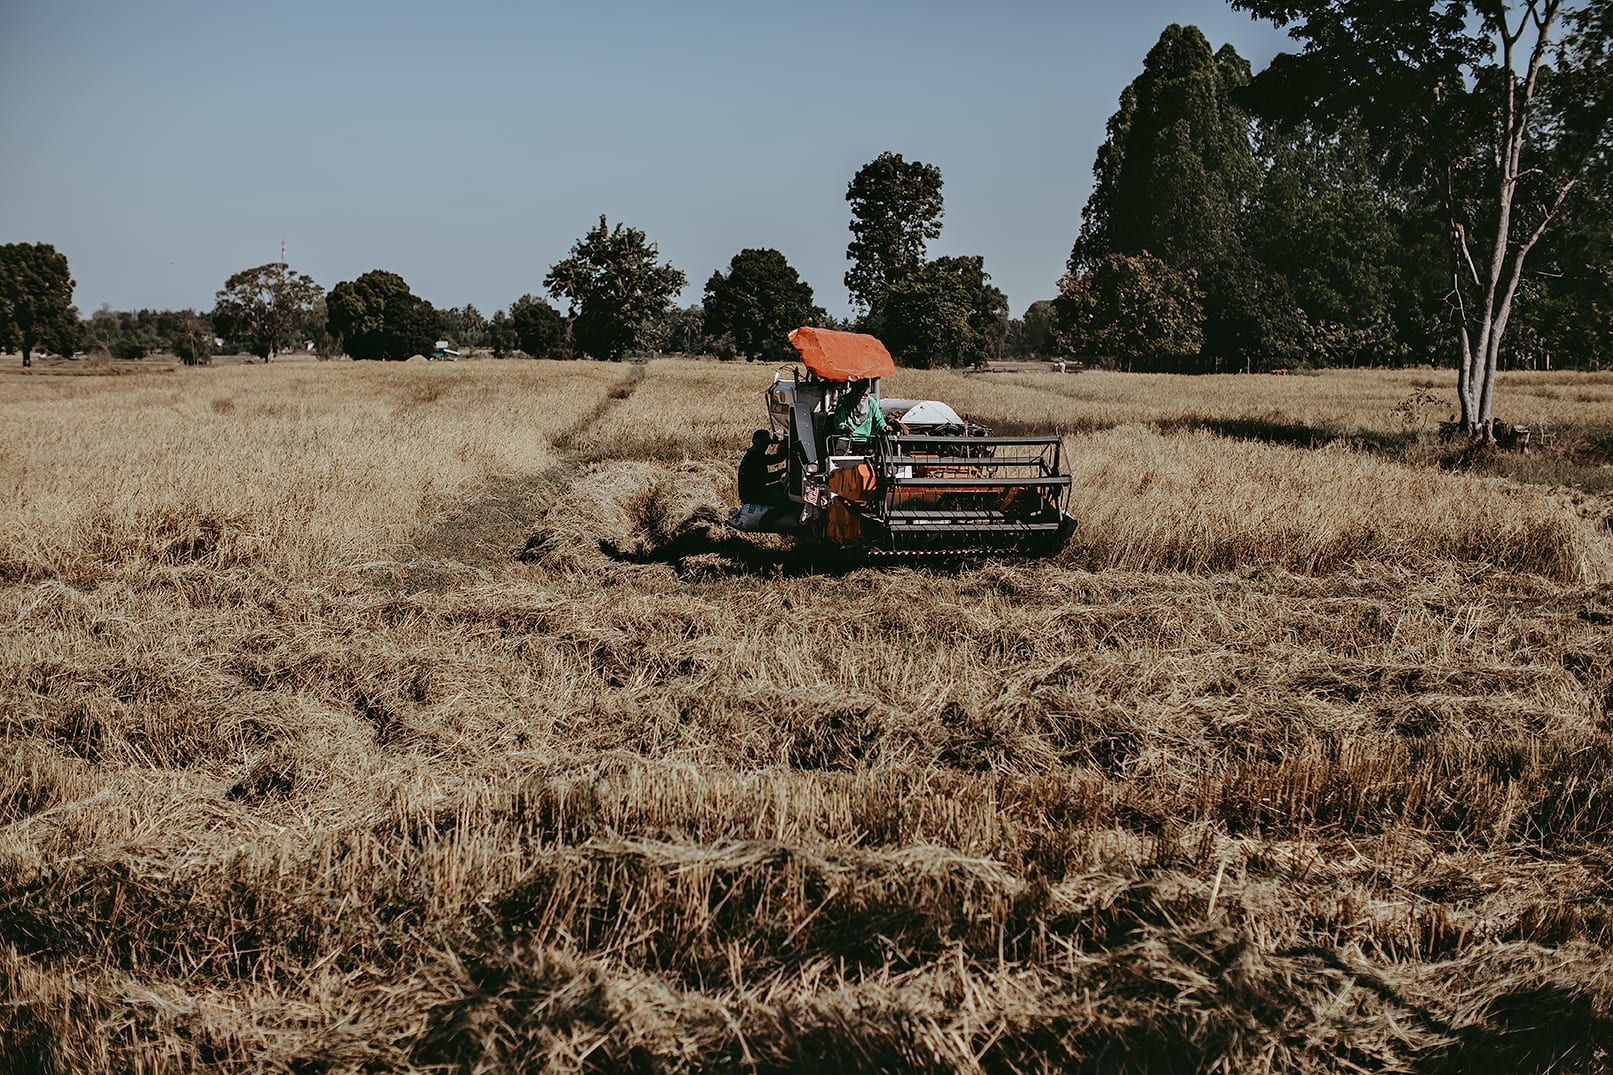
pixel 1431 183
pixel 616 294
pixel 1434 186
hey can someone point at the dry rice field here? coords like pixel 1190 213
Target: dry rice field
pixel 364 718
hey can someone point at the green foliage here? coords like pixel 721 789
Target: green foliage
pixel 355 311
pixel 36 300
pixel 1564 313
pixel 1497 115
pixel 945 313
pixel 615 286
pixel 1171 180
pixel 258 307
pixel 758 303
pixel 987 305
pixel 130 348
pixel 463 325
pixel 1401 81
pixel 192 344
pixel 410 326
pixel 501 335
pixel 377 317
pixel 896 209
pixel 683 331
pixel 1034 335
pixel 131 334
pixel 1177 163
pixel 1320 223
pixel 539 329
pixel 1135 308
pixel 1250 319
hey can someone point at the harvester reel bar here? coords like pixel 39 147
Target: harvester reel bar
pixel 957 493
pixel 927 438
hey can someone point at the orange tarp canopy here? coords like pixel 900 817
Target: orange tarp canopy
pixel 842 356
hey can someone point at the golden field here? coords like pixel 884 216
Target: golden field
pixel 361 718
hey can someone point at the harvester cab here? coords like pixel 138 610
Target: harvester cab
pixel 887 476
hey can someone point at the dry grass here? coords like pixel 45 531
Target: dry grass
pixel 1340 402
pixel 1192 501
pixel 297 469
pixel 682 408
pixel 1300 759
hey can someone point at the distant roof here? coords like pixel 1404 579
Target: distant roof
pixel 842 356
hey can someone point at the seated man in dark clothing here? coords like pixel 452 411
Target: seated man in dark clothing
pixel 757 482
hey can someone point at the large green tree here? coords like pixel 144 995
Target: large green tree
pixel 758 302
pixel 1177 164
pixel 943 313
pixel 378 317
pixel 1499 110
pixel 896 209
pixel 1326 230
pixel 988 307
pixel 411 327
pixel 539 328
pixel 501 336
pixel 1173 176
pixel 1134 308
pixel 36 299
pixel 615 285
pixel 258 307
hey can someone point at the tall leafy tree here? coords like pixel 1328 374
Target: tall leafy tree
pixel 36 299
pixel 356 311
pixel 411 326
pixel 758 302
pixel 192 341
pixel 539 328
pixel 501 336
pixel 258 307
pixel 378 317
pixel 683 330
pixel 615 285
pixel 1499 109
pixel 1327 231
pixel 1177 164
pixel 988 306
pixel 943 313
pixel 1135 308
pixel 896 209
pixel 1173 176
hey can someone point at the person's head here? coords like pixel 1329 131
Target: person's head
pixel 761 439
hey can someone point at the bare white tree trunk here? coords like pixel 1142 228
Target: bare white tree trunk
pixel 1482 328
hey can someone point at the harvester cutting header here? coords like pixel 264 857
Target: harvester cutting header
pixel 895 475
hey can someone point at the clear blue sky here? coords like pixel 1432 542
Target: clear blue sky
pixel 162 146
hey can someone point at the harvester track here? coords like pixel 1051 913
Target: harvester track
pixel 486 531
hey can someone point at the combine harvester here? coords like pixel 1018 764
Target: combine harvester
pixel 900 477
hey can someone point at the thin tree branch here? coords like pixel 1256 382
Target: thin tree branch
pixel 1467 255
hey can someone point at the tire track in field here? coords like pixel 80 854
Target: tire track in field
pixel 489 529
